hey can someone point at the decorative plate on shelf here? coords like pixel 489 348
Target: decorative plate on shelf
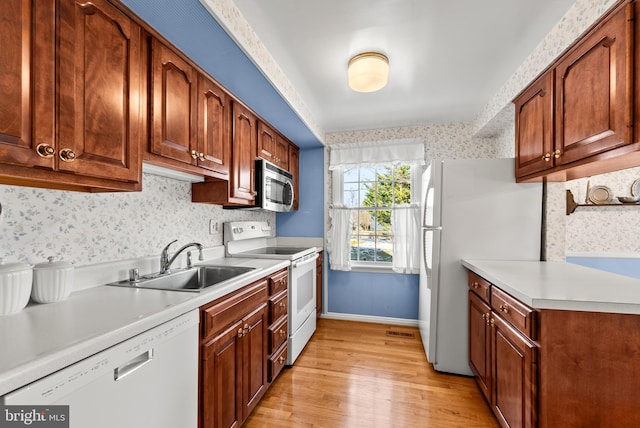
pixel 600 195
pixel 635 188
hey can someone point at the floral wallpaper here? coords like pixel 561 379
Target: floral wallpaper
pixel 87 228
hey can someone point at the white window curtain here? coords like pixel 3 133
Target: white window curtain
pixel 341 221
pixel 406 251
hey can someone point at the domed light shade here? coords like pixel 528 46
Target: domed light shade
pixel 368 72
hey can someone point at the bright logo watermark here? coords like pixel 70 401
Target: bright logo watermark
pixel 34 416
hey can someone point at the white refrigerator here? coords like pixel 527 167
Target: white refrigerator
pixel 471 209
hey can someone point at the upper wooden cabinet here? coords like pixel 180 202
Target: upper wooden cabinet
pixel 214 127
pixel 577 118
pixel 534 127
pixel 294 169
pixel 242 185
pixel 272 146
pixel 173 113
pixel 190 116
pixel 74 113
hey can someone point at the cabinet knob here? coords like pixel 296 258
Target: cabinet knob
pixel 504 308
pixel 475 285
pixel 194 154
pixel 487 317
pixel 282 332
pixel 282 305
pixel 240 332
pixel 546 157
pixel 67 155
pixel 281 359
pixel 556 154
pixel 45 150
pixel 201 156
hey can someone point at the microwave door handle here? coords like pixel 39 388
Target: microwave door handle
pixel 306 262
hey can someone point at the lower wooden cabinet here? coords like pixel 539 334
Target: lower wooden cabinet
pixel 502 357
pixel 242 351
pixel 233 364
pixel 553 368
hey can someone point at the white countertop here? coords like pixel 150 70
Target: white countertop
pixel 564 286
pixel 44 338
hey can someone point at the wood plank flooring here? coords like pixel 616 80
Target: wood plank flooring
pixel 354 374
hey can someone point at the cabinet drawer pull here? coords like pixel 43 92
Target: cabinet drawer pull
pixel 67 155
pixel 45 150
pixel 504 308
pixel 201 156
pixel 475 285
pixel 281 359
pixel 556 154
pixel 194 154
pixel 282 305
pixel 240 332
pixel 282 333
pixel 546 157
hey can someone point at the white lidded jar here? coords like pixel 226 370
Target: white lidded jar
pixel 15 286
pixel 52 281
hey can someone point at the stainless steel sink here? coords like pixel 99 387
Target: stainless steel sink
pixel 191 279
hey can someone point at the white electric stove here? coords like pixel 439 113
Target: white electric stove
pixel 252 239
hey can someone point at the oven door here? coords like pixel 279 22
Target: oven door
pixel 302 292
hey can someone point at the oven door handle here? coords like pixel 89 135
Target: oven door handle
pixel 306 262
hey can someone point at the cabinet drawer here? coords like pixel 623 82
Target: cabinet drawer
pixel 278 282
pixel 278 333
pixel 277 306
pixel 480 286
pixel 225 311
pixel 513 311
pixel 277 362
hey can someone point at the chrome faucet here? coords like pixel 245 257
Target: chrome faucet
pixel 165 261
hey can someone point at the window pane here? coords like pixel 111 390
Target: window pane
pixel 350 196
pixel 368 194
pixel 368 173
pixel 402 193
pixel 381 219
pixel 351 175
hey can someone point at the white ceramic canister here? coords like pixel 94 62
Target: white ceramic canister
pixel 15 286
pixel 52 281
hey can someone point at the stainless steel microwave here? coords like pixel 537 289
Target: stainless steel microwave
pixel 274 187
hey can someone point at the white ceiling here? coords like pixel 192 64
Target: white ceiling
pixel 447 57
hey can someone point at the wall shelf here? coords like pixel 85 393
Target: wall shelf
pixel 572 204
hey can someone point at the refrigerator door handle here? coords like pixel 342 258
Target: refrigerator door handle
pixel 431 227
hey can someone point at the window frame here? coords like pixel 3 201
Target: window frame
pixel 377 266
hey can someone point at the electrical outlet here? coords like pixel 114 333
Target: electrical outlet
pixel 213 227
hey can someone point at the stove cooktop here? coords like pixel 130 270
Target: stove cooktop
pixel 277 252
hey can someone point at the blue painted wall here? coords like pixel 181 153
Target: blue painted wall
pixel 308 221
pixel 374 294
pixel 623 266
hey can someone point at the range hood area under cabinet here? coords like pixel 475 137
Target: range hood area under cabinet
pixel 79 122
pixel 581 117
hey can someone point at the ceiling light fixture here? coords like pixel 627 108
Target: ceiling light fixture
pixel 368 72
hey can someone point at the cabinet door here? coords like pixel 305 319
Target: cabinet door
pixel 480 343
pixel 282 152
pixel 266 142
pixel 255 359
pixel 173 110
pixel 514 380
pixel 214 127
pixel 594 103
pixel 534 127
pixel 242 186
pixel 27 86
pixel 99 90
pixel 294 169
pixel 221 377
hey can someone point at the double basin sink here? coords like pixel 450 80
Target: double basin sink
pixel 192 279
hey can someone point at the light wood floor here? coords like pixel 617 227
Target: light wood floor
pixel 354 374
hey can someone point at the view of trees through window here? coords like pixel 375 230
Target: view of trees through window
pixel 372 192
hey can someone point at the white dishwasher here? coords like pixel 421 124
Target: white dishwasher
pixel 150 380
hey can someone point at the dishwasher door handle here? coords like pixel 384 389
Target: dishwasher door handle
pixel 132 365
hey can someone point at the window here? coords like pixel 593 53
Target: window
pixel 372 192
pixel 374 218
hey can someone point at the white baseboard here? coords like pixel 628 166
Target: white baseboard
pixel 370 318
